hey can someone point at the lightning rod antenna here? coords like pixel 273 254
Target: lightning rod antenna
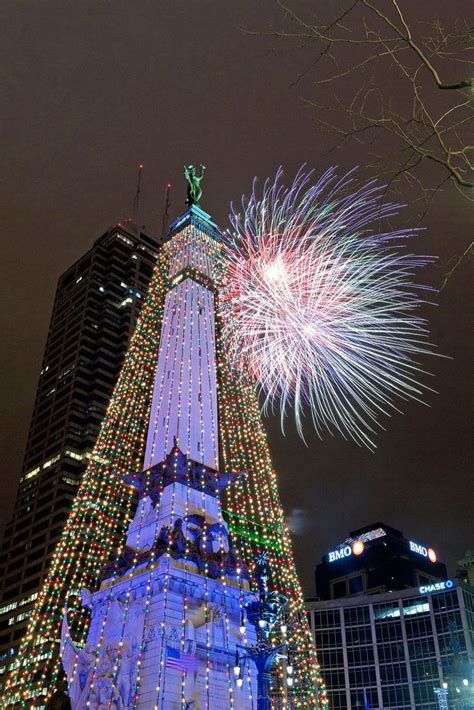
pixel 166 213
pixel 136 200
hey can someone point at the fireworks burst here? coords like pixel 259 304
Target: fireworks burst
pixel 320 305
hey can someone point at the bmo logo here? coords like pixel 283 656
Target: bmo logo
pixel 423 551
pixel 340 554
pixel 356 549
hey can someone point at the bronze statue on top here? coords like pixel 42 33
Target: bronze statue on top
pixel 194 192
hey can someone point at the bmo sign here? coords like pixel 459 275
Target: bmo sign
pixel 423 551
pixel 357 548
pixel 340 554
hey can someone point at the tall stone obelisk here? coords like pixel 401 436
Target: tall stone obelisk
pixel 167 624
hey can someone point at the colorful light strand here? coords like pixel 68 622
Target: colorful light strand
pixel 101 512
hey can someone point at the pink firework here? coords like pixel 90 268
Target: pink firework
pixel 320 305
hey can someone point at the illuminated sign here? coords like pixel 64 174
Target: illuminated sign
pixel 346 551
pixel 355 546
pixel 436 587
pixel 367 536
pixel 423 551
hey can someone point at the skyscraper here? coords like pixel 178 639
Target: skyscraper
pixel 96 305
pixel 176 396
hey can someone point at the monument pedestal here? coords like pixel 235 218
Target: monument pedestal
pixel 165 628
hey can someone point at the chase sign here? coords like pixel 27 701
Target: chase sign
pixel 436 587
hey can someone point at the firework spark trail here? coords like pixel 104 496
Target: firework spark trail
pixel 321 305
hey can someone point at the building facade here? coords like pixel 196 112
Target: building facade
pixel 376 558
pixel 398 650
pixel 465 570
pixel 96 305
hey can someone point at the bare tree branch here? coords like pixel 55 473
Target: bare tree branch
pixel 384 69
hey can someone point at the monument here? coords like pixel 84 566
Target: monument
pixel 178 498
pixel 168 618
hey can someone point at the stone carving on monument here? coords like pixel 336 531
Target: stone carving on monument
pixel 172 599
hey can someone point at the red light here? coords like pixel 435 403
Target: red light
pixel 358 547
pixel 140 166
pixel 432 555
pixel 168 185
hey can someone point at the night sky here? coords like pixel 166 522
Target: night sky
pixel 89 90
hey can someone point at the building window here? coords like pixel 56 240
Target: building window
pixel 338 589
pixel 356 585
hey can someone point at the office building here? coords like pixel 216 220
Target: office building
pixel 376 559
pixel 406 649
pixel 95 308
pixel 465 570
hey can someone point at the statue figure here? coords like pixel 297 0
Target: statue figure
pixel 178 540
pixel 104 695
pixel 194 192
pixel 78 665
pixel 127 677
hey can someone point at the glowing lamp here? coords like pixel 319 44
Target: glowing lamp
pixel 289 669
pixel 289 681
pixel 432 555
pixel 240 682
pixel 262 623
pixel 236 671
pixel 358 547
pixel 242 629
pixel 465 682
pixel 283 629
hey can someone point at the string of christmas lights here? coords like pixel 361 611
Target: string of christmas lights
pixel 96 524
pixel 101 511
pixel 254 503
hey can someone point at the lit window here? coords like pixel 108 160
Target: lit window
pixel 50 462
pixel 124 239
pixel 32 473
pixel 8 607
pixel 74 455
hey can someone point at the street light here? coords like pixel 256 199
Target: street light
pixel 263 613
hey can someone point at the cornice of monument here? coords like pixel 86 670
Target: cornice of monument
pixel 196 216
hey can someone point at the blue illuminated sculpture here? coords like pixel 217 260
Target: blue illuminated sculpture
pixel 263 613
